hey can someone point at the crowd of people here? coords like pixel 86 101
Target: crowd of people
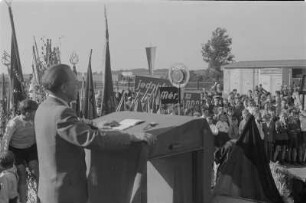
pixel 280 118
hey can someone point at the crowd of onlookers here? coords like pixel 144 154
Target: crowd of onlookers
pixel 280 118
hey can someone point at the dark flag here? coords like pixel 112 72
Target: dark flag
pixel 90 110
pixel 17 89
pixel 108 103
pixel 77 102
pixel 150 51
pixel 244 171
pixel 4 99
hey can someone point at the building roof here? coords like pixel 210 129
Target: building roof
pixel 267 64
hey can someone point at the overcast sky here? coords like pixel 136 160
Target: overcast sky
pixel 260 30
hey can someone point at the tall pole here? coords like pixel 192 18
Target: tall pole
pixel 179 99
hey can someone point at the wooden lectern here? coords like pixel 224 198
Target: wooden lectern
pixel 177 168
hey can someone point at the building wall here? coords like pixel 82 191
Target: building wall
pixel 240 79
pixel 246 79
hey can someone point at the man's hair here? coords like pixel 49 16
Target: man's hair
pixel 55 77
pixel 7 159
pixel 27 105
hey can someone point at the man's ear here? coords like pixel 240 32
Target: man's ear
pixel 63 88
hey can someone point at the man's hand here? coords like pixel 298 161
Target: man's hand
pixel 106 124
pixel 142 136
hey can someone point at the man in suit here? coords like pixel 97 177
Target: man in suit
pixel 61 137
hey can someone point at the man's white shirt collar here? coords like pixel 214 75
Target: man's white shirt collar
pixel 52 95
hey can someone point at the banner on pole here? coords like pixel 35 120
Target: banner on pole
pixel 169 95
pixel 148 84
pixel 191 99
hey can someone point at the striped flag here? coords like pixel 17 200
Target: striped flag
pixel 90 110
pixel 17 89
pixel 109 102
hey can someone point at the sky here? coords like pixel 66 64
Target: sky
pixel 259 30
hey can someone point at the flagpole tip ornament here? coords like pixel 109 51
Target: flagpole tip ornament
pixel 74 58
pixel 178 75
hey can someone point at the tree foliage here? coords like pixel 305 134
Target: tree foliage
pixel 217 51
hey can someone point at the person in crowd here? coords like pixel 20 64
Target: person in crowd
pixel 212 126
pixel 61 137
pixel 250 94
pixel 256 97
pixel 281 138
pixel 302 147
pixel 245 117
pixel 261 89
pixel 8 178
pixel 19 138
pixel 268 128
pixel 258 121
pixel 238 110
pixel 216 102
pixel 205 112
pixel 233 128
pixel 223 129
pixel 294 134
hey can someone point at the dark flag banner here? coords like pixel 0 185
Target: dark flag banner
pixel 151 51
pixel 109 103
pixel 4 98
pixel 90 110
pixel 77 102
pixel 17 89
pixel 169 95
pixel 245 173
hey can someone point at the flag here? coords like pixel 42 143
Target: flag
pixel 4 99
pixel 76 103
pixel 16 88
pixel 35 66
pixel 82 96
pixel 108 102
pixel 90 110
pixel 151 58
pixel 244 170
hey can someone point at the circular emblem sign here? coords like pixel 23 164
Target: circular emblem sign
pixel 178 75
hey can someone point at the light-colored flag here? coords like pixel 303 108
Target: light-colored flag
pixel 151 52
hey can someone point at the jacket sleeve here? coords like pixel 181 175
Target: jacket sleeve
pixel 71 129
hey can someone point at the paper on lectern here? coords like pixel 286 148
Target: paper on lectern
pixel 127 123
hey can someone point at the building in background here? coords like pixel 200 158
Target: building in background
pixel 245 75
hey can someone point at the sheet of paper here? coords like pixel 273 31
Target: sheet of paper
pixel 127 123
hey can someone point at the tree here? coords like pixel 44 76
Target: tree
pixel 217 51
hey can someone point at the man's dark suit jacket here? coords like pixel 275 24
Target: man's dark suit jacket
pixel 61 138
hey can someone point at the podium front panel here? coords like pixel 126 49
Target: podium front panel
pixel 177 168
